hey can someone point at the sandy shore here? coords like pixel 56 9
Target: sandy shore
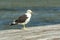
pixel 48 32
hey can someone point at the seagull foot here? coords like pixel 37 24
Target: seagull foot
pixel 25 28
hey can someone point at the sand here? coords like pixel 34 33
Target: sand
pixel 47 32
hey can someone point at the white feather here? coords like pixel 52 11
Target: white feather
pixel 13 22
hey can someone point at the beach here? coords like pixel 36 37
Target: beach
pixel 47 32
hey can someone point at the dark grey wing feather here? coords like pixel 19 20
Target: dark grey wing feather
pixel 21 19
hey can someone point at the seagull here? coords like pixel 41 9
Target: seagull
pixel 23 20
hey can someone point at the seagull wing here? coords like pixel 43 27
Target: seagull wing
pixel 21 19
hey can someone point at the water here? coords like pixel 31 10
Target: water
pixel 40 16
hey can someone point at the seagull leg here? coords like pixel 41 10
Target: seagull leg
pixel 24 27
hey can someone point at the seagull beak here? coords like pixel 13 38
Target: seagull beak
pixel 32 12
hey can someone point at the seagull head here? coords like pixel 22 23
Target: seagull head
pixel 29 11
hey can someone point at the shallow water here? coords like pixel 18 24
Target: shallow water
pixel 40 16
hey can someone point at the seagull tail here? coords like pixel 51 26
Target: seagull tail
pixel 11 24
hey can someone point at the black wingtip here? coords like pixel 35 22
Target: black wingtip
pixel 12 24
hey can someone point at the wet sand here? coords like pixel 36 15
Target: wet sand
pixel 48 32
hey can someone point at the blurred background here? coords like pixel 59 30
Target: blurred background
pixel 45 12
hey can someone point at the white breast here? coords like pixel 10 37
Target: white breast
pixel 29 16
